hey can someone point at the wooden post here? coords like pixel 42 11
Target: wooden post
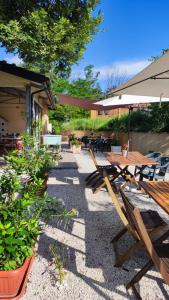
pixel 28 108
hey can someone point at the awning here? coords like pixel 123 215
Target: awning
pixel 85 103
pixel 131 100
pixel 152 81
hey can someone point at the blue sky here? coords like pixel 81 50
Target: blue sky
pixel 134 30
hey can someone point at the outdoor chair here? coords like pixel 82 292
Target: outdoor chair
pixel 95 180
pixel 154 155
pixel 157 172
pixel 154 224
pixel 85 141
pixel 157 250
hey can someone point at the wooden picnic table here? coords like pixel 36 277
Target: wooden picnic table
pixel 134 158
pixel 158 191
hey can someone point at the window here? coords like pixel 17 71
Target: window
pixel 103 112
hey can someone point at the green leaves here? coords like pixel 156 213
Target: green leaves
pixel 21 213
pixel 47 31
pixel 10 265
pixel 86 87
pixel 1 250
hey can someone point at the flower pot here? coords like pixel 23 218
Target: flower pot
pixel 12 282
pixel 76 149
pixel 115 148
pixel 125 153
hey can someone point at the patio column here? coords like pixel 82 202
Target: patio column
pixel 28 109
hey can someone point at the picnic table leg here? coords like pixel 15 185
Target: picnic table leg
pixel 127 176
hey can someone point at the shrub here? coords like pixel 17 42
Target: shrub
pixel 86 124
pixel 139 121
pixel 21 206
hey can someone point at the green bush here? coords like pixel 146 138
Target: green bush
pixel 22 208
pixel 140 121
pixel 86 124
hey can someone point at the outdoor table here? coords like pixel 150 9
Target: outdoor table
pixel 9 141
pixel 158 191
pixel 134 158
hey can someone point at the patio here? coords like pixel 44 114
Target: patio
pixel 88 253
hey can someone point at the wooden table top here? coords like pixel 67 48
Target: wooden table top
pixel 134 158
pixel 159 191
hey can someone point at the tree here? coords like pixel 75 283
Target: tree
pixel 160 111
pixel 115 79
pixel 86 87
pixel 48 31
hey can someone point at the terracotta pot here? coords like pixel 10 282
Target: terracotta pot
pixel 11 281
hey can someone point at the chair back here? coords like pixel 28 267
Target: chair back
pixel 162 169
pixel 144 236
pixel 154 155
pixel 129 208
pixel 93 157
pixel 119 208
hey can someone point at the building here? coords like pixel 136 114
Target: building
pixel 96 111
pixel 25 98
pixel 107 113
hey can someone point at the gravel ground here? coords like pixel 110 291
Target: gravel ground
pixel 87 251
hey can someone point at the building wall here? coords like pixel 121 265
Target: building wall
pixel 109 113
pixel 15 115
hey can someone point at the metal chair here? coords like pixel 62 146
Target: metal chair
pixel 158 252
pixel 154 155
pixel 157 172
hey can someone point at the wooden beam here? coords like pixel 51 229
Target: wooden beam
pixel 12 91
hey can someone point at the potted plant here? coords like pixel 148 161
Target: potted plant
pixel 75 146
pixel 125 150
pixel 115 145
pixel 21 212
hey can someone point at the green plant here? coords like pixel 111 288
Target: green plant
pixel 30 141
pixel 75 143
pixel 20 226
pixel 9 185
pixel 34 159
pixel 16 161
pixel 35 186
pixel 22 207
pixel 18 230
pixel 115 141
pixel 58 262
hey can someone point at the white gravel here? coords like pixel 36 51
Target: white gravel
pixel 89 257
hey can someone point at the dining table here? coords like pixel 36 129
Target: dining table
pixel 133 158
pixel 158 191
